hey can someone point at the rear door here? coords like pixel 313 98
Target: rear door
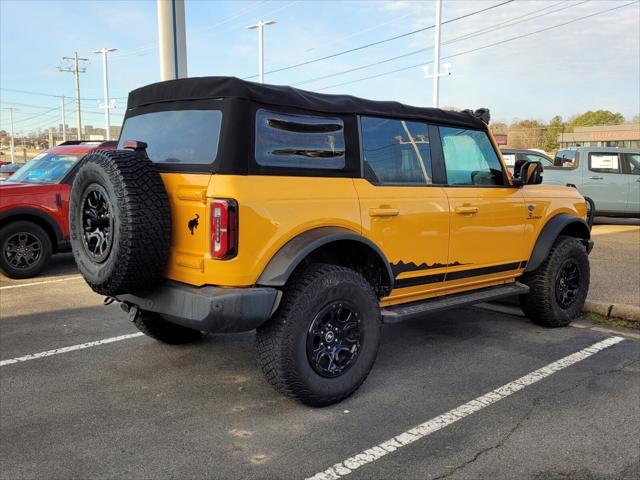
pixel 402 210
pixel 632 171
pixel 487 215
pixel 605 182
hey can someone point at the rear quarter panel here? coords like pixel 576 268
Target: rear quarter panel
pixel 272 210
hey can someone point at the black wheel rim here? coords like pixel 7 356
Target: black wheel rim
pixel 97 222
pixel 568 284
pixel 22 250
pixel 334 339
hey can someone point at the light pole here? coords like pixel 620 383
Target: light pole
pixel 107 104
pixel 436 59
pixel 76 70
pixel 172 39
pixel 260 26
pixel 12 144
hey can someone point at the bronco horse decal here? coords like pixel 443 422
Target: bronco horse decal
pixel 193 223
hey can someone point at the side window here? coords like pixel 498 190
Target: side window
pixel 566 159
pixel 470 158
pixel 633 161
pixel 299 141
pixel 396 152
pixel 604 162
pixel 531 157
pixel 509 159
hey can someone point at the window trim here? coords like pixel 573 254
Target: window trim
pixel 576 162
pixel 620 165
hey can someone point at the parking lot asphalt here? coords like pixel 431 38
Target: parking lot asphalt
pixel 135 408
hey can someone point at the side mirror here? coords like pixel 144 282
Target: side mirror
pixel 527 173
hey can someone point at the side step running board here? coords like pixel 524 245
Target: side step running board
pixel 399 313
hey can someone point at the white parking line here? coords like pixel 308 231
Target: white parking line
pixel 58 351
pixel 433 425
pixel 72 277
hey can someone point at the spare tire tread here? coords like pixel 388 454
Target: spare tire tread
pixel 143 223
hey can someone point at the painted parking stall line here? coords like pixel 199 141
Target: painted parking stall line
pixel 44 282
pixel 433 425
pixel 71 348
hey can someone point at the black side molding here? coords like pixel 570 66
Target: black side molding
pixel 549 234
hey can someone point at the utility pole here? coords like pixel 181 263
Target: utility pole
pixel 76 70
pixel 12 144
pixel 64 120
pixel 107 104
pixel 260 26
pixel 172 39
pixel 436 59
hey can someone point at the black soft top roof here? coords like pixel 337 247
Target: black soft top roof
pixel 203 88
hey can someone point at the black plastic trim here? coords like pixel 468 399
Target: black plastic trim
pixel 285 261
pixel 457 275
pixel 548 236
pixel 209 309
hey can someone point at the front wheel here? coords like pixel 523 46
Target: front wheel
pixel 559 287
pixel 26 249
pixel 321 343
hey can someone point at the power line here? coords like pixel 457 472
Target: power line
pixel 361 47
pixel 41 94
pixel 478 48
pixel 493 28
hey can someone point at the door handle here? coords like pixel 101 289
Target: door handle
pixel 466 210
pixel 383 212
pixel 596 178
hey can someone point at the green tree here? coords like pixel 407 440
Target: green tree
pixel 598 117
pixel 555 127
pixel 526 134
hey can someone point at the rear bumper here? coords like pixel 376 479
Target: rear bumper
pixel 210 309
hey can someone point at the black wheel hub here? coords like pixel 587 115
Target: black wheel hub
pixel 97 222
pixel 334 339
pixel 568 284
pixel 22 250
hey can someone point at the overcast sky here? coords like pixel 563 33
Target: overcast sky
pixel 584 65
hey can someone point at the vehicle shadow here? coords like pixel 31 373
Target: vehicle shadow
pixel 60 265
pixel 616 221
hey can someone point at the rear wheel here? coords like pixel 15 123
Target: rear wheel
pixel 26 249
pixel 321 343
pixel 156 327
pixel 559 287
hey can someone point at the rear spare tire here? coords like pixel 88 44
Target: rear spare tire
pixel 120 222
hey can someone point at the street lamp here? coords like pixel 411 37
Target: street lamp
pixel 260 26
pixel 107 104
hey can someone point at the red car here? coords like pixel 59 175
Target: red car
pixel 34 208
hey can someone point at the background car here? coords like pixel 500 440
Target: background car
pixel 512 155
pixel 610 176
pixel 9 169
pixel 34 208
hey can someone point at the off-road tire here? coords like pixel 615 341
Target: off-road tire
pixel 141 230
pixel 156 327
pixel 8 232
pixel 282 341
pixel 541 304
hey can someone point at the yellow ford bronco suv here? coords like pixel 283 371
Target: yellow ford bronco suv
pixel 230 206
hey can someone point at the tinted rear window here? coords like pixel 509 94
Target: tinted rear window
pixel 176 136
pixel 299 141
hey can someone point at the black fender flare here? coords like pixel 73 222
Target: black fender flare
pixel 549 234
pixel 285 261
pixel 22 213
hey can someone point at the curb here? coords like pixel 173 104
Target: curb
pixel 616 310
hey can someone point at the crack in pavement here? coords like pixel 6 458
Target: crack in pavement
pixel 534 404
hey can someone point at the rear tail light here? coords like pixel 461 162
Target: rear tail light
pixel 224 228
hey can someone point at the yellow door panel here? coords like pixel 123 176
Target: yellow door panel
pixel 487 233
pixel 411 226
